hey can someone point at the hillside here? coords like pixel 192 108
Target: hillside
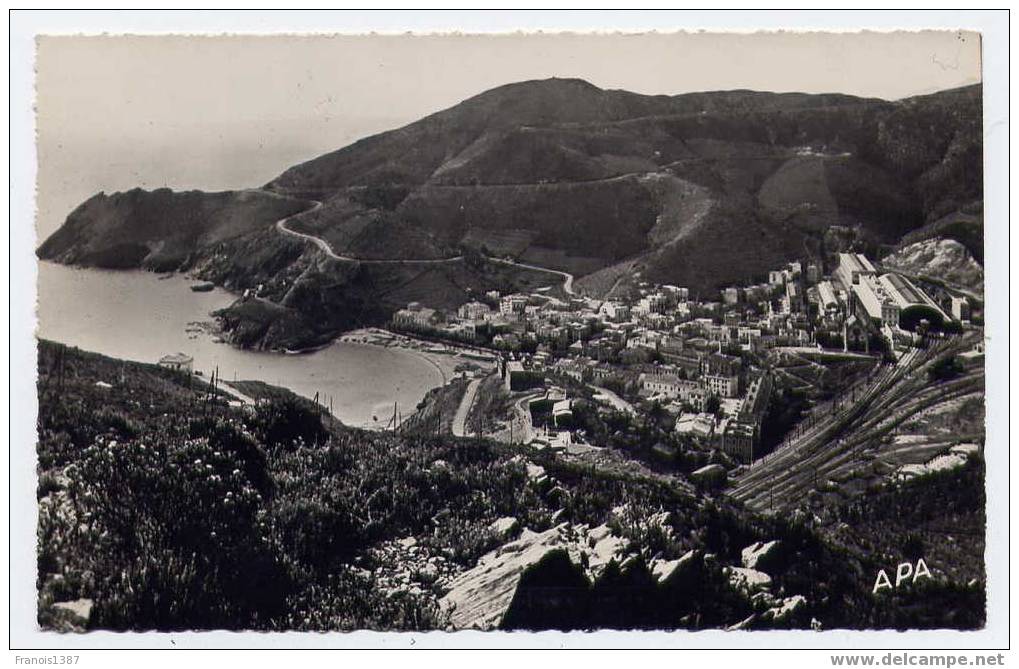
pixel 160 229
pixel 699 189
pixel 163 506
pixel 573 165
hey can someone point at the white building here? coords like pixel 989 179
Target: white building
pixel 474 311
pixel 873 301
pixel 416 317
pixel 851 267
pixel 179 362
pixel 721 385
pixel 960 308
pixel 699 425
pixel 826 296
pixel 512 304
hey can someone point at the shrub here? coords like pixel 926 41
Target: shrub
pixel 288 423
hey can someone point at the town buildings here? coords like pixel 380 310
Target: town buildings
pixel 416 317
pixel 680 353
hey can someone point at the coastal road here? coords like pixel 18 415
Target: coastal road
pixel 324 246
pixel 460 418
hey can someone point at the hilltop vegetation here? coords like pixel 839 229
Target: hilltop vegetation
pixel 164 507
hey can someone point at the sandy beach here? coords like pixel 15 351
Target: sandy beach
pixel 449 359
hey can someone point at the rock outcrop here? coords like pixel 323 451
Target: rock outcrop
pixel 758 552
pixel 939 258
pixel 479 597
pixel 71 616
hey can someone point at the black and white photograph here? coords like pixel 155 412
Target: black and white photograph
pixel 672 331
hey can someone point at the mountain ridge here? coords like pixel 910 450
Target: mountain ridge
pixel 698 189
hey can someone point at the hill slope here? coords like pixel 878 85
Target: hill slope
pixel 186 513
pixel 698 189
pixel 160 229
pixel 574 166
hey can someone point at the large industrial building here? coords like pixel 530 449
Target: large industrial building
pixel 851 267
pixel 886 299
pixel 893 300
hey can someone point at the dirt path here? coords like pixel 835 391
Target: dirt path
pixel 323 246
pixel 236 394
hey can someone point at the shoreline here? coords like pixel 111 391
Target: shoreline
pixel 445 357
pixel 188 325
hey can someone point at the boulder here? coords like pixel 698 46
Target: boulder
pixel 428 573
pixel 748 581
pixel 478 598
pixel 786 609
pixel 503 528
pixel 605 550
pixel 669 572
pixel 81 608
pixel 758 551
pixel 71 616
pixel 596 534
pixel 663 569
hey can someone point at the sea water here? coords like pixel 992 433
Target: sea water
pixel 142 316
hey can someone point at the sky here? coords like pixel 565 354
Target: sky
pixel 224 112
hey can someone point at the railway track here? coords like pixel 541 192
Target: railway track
pixel 839 440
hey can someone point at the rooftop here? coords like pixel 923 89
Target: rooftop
pixel 176 358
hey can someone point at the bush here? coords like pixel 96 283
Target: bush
pixel 316 534
pixel 288 423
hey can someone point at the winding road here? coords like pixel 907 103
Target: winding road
pixel 323 246
pixel 566 276
pixel 460 418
